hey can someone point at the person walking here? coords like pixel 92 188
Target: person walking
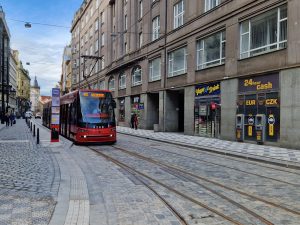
pixel 132 120
pixel 135 121
pixel 7 115
pixel 12 118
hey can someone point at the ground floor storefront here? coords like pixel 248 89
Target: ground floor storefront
pixel 262 108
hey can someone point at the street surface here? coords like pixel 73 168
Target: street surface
pixel 137 181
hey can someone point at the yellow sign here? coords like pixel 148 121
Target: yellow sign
pixel 97 95
pixel 250 131
pixel 272 101
pixel 271 130
pixel 259 85
pixel 258 135
pixel 238 134
pixel 250 102
pixel 86 94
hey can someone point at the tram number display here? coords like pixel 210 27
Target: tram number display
pixel 94 95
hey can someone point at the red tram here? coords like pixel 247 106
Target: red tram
pixel 86 116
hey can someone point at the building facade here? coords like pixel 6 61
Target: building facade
pixel 66 75
pixel 4 62
pixel 13 70
pixel 23 91
pixel 35 96
pixel 213 68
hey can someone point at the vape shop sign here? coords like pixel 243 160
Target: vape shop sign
pixel 55 110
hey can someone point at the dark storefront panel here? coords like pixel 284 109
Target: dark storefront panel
pixel 260 95
pixel 207 112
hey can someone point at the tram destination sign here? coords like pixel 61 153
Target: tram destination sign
pixel 259 83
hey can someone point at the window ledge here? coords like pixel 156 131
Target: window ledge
pixel 177 75
pixel 263 53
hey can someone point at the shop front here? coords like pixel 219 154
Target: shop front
pixel 259 106
pixel 207 111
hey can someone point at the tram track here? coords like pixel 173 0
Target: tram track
pixel 222 157
pixel 135 172
pixel 177 169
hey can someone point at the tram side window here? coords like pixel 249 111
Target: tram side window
pixel 73 113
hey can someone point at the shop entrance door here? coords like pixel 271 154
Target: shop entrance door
pixel 208 117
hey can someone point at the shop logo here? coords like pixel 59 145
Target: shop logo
pixel 208 89
pixel 258 84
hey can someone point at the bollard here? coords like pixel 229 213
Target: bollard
pixel 34 130
pixel 30 126
pixel 38 136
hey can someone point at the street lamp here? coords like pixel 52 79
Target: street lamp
pixel 27 25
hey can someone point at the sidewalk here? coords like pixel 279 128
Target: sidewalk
pixel 270 154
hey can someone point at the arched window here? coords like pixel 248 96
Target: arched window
pixel 111 83
pixel 136 75
pixel 122 81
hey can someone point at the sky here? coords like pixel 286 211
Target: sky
pixel 42 46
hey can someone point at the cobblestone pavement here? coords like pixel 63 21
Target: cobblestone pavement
pixel 262 152
pixel 29 178
pixel 270 183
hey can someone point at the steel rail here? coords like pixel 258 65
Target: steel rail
pixel 209 181
pixel 126 167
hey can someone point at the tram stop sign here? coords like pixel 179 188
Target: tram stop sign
pixel 55 115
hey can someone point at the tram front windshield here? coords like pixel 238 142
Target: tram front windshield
pixel 96 110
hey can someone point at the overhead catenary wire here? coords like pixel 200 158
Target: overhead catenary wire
pixel 42 24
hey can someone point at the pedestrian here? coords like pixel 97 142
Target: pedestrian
pixel 136 122
pixel 12 118
pixel 132 120
pixel 7 114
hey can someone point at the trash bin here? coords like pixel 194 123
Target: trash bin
pixel 155 128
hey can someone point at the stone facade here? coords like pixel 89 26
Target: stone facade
pixel 166 48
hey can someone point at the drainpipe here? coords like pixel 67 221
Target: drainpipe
pixel 165 66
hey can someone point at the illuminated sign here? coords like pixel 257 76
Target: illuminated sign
pixel 94 95
pixel 259 83
pixel 272 101
pixel 208 89
pixel 251 102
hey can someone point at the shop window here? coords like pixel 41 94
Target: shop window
pixel 122 81
pixel 264 33
pixel 177 62
pixel 111 84
pixel 122 109
pixel 136 76
pixel 211 51
pixel 155 69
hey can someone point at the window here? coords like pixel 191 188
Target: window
pixel 91 31
pixel 155 28
pixel 111 84
pixel 96 45
pixel 178 14
pixel 154 69
pixel 140 8
pixel 264 33
pixel 136 76
pixel 126 47
pixel 101 85
pixel 91 50
pixel 102 39
pixel 211 51
pixel 122 81
pixel 96 24
pixel 102 17
pixel 102 63
pixel 140 39
pixel 125 23
pixel 209 4
pixel 177 62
